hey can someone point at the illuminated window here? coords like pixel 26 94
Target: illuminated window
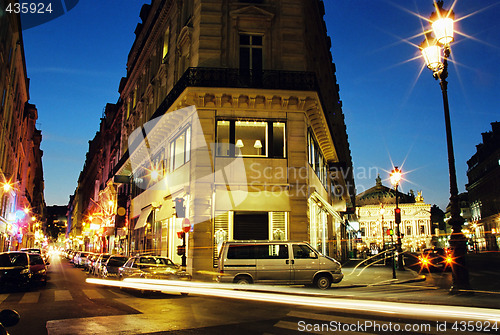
pixel 251 138
pixel 180 149
pixel 316 159
pixel 278 139
pixel 134 98
pixel 223 138
pixel 166 41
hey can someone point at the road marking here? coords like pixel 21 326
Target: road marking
pixel 62 295
pixel 93 294
pixel 3 297
pixel 30 298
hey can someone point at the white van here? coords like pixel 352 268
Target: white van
pixel 276 262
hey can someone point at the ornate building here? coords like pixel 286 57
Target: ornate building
pixel 231 111
pixel 375 211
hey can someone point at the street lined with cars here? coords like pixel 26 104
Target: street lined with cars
pixel 69 303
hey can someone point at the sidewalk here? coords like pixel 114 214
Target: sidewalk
pixel 484 273
pixel 373 275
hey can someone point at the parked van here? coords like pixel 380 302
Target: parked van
pixel 276 262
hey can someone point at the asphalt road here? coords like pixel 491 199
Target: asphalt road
pixel 69 305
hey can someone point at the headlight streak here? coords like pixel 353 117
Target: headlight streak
pixel 247 292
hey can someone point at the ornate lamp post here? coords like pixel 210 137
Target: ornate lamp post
pixel 382 211
pixel 442 26
pixel 395 179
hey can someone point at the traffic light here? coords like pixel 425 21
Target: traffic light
pixel 389 232
pixel 181 250
pixel 397 215
pixel 180 209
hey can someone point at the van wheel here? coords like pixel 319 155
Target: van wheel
pixel 323 282
pixel 243 280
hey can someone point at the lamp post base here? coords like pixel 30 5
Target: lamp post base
pixel 460 274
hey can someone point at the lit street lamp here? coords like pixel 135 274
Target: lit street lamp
pixel 382 211
pixel 442 25
pixel 395 179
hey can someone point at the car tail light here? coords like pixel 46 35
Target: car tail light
pixel 424 260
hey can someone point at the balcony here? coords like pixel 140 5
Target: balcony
pixel 236 78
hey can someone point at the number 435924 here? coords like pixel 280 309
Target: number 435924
pixel 29 7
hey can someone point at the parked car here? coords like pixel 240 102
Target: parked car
pixel 20 269
pixel 80 259
pixel 38 269
pixel 89 262
pixel 277 262
pixel 39 251
pixel 152 267
pixel 110 267
pixel 98 263
pixel 14 270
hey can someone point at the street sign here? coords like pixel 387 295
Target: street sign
pixel 186 225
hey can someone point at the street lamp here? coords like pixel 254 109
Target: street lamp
pixel 442 26
pixel 382 211
pixel 395 179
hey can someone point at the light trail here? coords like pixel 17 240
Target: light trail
pixel 244 292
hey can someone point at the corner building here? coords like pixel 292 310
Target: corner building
pixel 233 108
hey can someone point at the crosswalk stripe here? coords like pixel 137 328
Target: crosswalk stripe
pixel 93 294
pixel 62 295
pixel 30 298
pixel 3 297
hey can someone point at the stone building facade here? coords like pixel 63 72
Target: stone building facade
pixel 230 109
pixel 21 175
pixel 483 188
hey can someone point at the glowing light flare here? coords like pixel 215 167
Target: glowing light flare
pixel 413 311
pixel 443 30
pixel 396 176
pixel 155 172
pixel 442 23
pixel 431 52
pixel 7 186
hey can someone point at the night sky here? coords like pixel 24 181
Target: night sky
pixel 392 104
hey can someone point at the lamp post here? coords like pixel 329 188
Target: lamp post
pixel 382 211
pixel 442 26
pixel 395 179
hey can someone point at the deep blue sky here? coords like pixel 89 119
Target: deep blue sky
pixel 393 106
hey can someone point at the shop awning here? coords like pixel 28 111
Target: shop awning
pixel 143 218
pixel 166 210
pixel 329 208
pixel 265 201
